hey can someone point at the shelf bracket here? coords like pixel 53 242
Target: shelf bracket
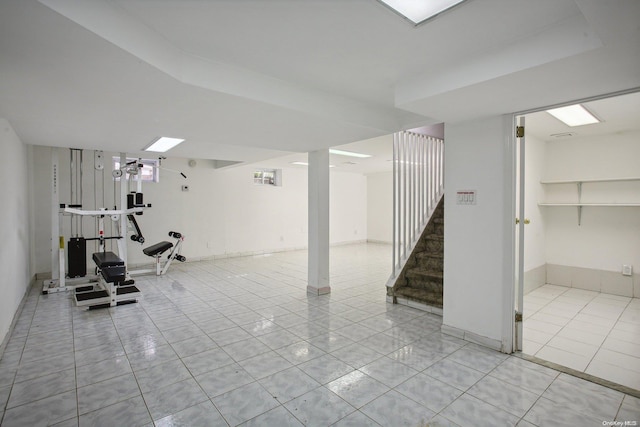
pixel 579 215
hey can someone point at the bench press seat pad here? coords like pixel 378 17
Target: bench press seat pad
pixel 106 259
pixel 158 248
pixel 114 274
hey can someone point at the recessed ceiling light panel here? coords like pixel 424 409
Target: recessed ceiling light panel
pixel 573 115
pixel 349 153
pixel 307 164
pixel 163 144
pixel 418 11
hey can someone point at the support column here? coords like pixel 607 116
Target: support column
pixel 318 279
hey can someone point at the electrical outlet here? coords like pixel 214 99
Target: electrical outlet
pixel 627 270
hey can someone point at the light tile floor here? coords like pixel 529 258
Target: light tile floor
pixel 592 332
pixel 239 342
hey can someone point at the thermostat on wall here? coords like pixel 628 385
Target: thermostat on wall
pixel 466 197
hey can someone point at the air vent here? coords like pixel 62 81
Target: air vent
pixel 562 135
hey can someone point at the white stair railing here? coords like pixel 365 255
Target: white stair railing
pixel 418 186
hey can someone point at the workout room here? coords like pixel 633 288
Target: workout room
pixel 270 268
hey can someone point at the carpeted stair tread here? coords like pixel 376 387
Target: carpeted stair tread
pixel 419 273
pixel 434 236
pixel 429 254
pixel 421 295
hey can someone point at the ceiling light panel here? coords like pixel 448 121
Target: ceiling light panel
pixel 418 11
pixel 349 153
pixel 163 144
pixel 307 164
pixel 573 115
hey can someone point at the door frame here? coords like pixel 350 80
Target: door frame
pixel 513 286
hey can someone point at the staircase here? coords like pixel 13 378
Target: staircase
pixel 421 278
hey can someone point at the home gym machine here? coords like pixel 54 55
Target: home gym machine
pixel 112 284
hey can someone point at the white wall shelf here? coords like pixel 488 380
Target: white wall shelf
pixel 578 181
pixel 592 204
pixel 579 204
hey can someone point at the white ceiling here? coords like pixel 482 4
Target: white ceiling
pixel 256 79
pixel 379 148
pixel 618 114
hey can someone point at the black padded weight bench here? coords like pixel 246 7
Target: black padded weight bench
pixel 158 249
pixel 110 266
pixel 113 288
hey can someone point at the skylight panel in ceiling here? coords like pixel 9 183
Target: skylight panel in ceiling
pixel 419 11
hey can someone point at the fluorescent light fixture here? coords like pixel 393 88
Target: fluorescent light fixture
pixel 348 153
pixel 162 144
pixel 573 115
pixel 418 11
pixel 307 164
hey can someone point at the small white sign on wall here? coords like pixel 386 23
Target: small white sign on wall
pixel 466 197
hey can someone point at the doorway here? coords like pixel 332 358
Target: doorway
pixel 581 241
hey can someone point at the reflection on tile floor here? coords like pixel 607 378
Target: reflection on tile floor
pixel 239 342
pixel 584 330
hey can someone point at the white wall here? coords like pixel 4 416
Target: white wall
pixel 15 225
pixel 348 207
pixel 478 237
pixel 223 213
pixel 380 207
pixel 608 237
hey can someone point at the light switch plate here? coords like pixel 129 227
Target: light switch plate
pixel 466 197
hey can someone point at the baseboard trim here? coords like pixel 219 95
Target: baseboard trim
pixel 379 242
pixel 151 264
pixel 472 337
pixel 415 304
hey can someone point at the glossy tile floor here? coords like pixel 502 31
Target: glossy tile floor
pixel 588 331
pixel 239 342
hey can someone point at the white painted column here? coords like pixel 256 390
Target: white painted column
pixel 318 279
